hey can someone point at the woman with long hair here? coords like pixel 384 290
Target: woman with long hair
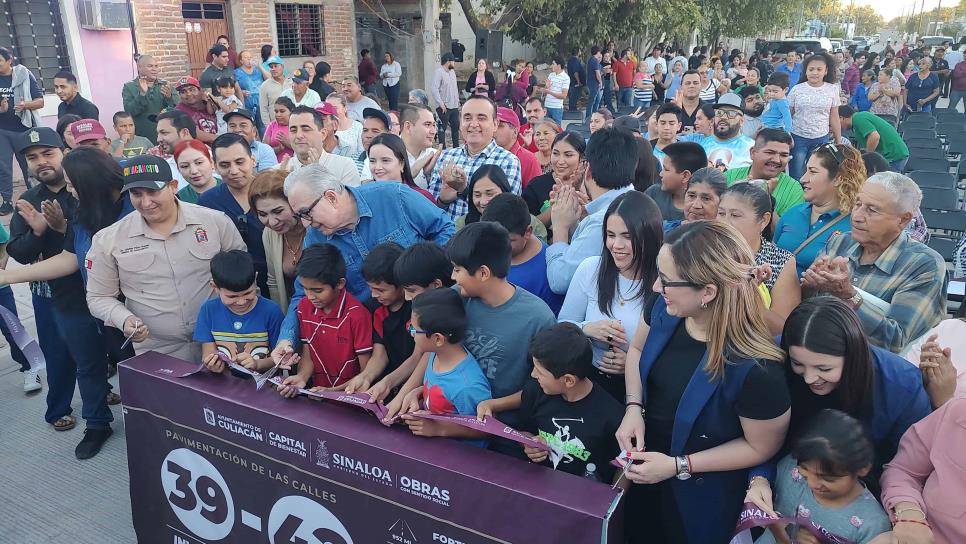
pixel 276 133
pixel 829 363
pixel 566 159
pixel 703 371
pixel 322 80
pixel 485 184
pixel 283 234
pixel 832 179
pixel 607 293
pixel 196 166
pixel 748 208
pixel 388 161
pixel 96 179
pixel 814 103
pixel 704 119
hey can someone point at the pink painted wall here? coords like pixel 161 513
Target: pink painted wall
pixel 109 58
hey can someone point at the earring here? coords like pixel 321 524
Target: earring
pixel 704 305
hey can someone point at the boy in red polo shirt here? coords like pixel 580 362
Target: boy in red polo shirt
pixel 335 328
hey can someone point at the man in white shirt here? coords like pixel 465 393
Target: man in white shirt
pixel 272 88
pixel 418 132
pixel 355 100
pixel 307 132
pixel 556 89
pixel 654 59
pixel 349 131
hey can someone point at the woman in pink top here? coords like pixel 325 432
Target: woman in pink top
pixel 924 486
pixel 276 133
pixel 941 355
pixel 481 82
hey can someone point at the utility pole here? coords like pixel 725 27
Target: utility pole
pixel 922 7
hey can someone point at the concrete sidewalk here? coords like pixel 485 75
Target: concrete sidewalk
pixel 47 496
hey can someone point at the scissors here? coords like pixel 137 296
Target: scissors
pixel 127 342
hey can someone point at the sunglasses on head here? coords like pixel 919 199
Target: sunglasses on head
pixel 834 151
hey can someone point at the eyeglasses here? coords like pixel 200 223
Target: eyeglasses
pixel 730 114
pixel 413 331
pixel 306 214
pixel 834 151
pixel 668 283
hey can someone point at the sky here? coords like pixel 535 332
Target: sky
pixel 893 8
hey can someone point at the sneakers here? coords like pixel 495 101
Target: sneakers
pixel 6 208
pixel 31 382
pixel 113 398
pixel 91 444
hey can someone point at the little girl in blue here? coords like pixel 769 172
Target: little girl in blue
pixel 819 483
pixel 454 382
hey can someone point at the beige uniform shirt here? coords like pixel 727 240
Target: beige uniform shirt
pixel 164 280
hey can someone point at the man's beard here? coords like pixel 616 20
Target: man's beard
pixel 755 112
pixel 728 134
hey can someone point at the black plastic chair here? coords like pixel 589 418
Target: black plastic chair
pixel 933 180
pixel 940 199
pixel 955 146
pixel 891 119
pixel 923 142
pixel 943 246
pixel 926 152
pixel 950 222
pixel 908 133
pixel 928 165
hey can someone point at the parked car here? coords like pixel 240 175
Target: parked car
pixel 800 44
pixel 836 45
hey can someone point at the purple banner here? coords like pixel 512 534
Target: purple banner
pixel 213 460
pixel 26 343
pixel 752 516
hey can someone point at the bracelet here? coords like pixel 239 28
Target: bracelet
pixel 910 509
pixel 687 458
pixel 634 403
pixel 917 521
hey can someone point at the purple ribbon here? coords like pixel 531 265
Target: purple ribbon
pixel 26 343
pixel 360 400
pixel 752 516
pixel 259 377
pixel 490 425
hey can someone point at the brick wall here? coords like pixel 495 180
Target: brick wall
pixel 340 28
pixel 252 24
pixel 160 33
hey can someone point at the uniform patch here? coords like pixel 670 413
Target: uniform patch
pixel 88 264
pixel 34 136
pixel 201 235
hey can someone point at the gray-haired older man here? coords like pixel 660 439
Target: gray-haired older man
pixel 355 220
pixel 896 285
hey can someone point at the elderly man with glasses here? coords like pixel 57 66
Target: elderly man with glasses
pixel 896 285
pixel 355 220
pixel 727 147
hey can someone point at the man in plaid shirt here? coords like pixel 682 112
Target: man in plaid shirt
pixel 456 166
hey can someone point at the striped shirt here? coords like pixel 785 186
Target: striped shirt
pixel 491 154
pixel 909 276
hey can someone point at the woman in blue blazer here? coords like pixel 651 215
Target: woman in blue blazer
pixel 831 364
pixel 704 378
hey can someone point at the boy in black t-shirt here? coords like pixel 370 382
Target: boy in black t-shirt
pixel 563 407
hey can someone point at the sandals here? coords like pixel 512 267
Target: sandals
pixel 64 423
pixel 113 398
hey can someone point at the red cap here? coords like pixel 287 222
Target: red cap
pixel 506 115
pixel 184 81
pixel 87 129
pixel 326 109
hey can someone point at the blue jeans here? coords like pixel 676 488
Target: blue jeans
pixel 800 152
pixel 7 301
pixel 954 98
pixel 88 349
pixel 392 95
pixel 593 102
pixel 899 165
pixel 625 96
pixel 556 114
pixel 573 95
pixel 642 104
pixel 61 370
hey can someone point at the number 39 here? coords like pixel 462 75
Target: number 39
pixel 198 494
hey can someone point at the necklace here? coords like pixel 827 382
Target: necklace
pixel 296 250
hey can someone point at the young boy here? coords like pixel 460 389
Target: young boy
pixel 501 318
pixel 419 268
pixel 127 143
pixel 528 255
pixel 777 114
pixel 563 407
pixel 391 342
pixel 335 328
pixel 453 382
pixel 240 323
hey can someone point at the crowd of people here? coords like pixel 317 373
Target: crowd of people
pixel 721 287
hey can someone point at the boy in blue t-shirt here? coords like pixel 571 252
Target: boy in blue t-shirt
pixel 777 113
pixel 240 323
pixel 528 255
pixel 453 382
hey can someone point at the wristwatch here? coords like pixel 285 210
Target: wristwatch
pixel 855 300
pixel 684 468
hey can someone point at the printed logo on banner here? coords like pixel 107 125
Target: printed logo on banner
pixel 286 443
pixel 321 454
pixel 401 533
pixel 439 537
pixel 300 519
pixel 362 469
pixel 424 490
pixel 233 425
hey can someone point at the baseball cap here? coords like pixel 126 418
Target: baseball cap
pixel 730 100
pixel 38 137
pixel 87 129
pixel 628 122
pixel 247 114
pixel 300 75
pixel 506 115
pixel 327 109
pixel 184 81
pixel 447 57
pixel 146 172
pixel 274 60
pixel 378 114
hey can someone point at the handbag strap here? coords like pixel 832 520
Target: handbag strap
pixel 814 235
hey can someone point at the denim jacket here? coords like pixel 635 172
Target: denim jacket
pixel 388 212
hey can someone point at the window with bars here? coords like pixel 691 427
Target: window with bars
pixel 300 30
pixel 34 32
